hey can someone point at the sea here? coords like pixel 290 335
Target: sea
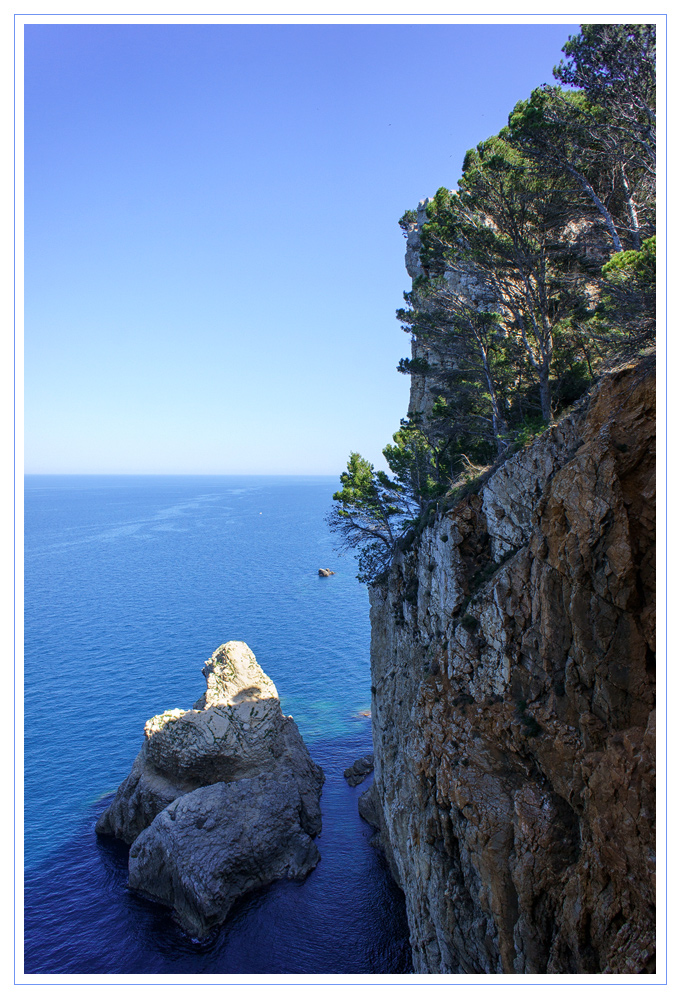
pixel 131 583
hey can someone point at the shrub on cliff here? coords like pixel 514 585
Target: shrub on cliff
pixel 373 510
pixel 629 293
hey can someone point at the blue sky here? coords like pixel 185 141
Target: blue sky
pixel 212 255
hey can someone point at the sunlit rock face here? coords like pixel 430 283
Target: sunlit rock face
pixel 221 799
pixel 513 705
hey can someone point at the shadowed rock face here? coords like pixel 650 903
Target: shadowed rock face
pixel 513 719
pixel 197 859
pixel 198 803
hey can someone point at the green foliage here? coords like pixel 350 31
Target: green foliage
pixel 373 511
pixel 407 219
pixel 362 492
pixel 569 138
pixel 628 302
pixel 469 374
pixel 506 229
pixel 414 465
pixel 531 428
pixel 615 66
pixel 414 366
pixel 537 270
pixel 573 363
pixel 365 515
pixel 533 226
pixel 636 267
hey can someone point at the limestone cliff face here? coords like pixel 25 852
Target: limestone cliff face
pixel 513 705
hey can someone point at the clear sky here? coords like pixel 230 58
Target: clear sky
pixel 212 255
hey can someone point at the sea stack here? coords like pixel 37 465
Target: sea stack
pixel 221 799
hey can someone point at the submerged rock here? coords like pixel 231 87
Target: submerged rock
pixel 221 799
pixel 326 572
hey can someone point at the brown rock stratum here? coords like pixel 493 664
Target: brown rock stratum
pixel 513 673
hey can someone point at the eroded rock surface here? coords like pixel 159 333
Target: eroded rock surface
pixel 200 801
pixel 513 708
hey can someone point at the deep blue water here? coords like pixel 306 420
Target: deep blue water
pixel 131 582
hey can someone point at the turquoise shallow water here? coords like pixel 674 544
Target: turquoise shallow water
pixel 130 584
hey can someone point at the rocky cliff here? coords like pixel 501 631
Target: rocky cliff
pixel 513 705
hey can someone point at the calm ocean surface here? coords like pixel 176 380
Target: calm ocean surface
pixel 131 582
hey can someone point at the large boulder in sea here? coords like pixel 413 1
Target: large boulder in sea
pixel 221 799
pixel 214 844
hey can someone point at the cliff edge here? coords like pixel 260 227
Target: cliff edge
pixel 513 687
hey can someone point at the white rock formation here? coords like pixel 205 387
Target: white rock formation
pixel 221 799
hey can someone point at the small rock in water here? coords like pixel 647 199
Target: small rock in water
pixel 358 771
pixel 325 572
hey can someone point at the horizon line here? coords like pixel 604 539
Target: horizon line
pixel 299 475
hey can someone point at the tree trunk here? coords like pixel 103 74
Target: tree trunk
pixel 545 394
pixel 598 204
pixel 499 425
pixel 632 210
